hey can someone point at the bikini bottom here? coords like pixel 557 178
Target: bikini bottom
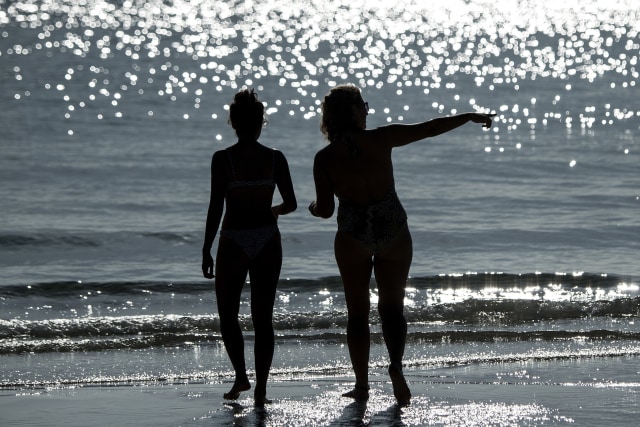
pixel 251 241
pixel 375 224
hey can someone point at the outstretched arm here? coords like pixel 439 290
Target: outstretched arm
pixel 214 214
pixel 401 134
pixel 285 187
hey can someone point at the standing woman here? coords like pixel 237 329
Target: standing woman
pixel 243 180
pixel 372 231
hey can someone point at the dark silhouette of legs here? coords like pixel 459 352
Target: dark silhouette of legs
pixel 391 269
pixel 232 267
pixel 355 264
pixel 231 272
pixel 264 274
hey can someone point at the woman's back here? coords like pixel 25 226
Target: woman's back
pixel 361 171
pixel 249 177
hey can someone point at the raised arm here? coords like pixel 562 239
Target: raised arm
pixel 214 214
pixel 401 134
pixel 285 187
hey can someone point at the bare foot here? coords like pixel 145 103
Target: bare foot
pixel 238 387
pixel 359 393
pixel 400 388
pixel 260 401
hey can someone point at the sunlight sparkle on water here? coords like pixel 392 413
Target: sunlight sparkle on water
pixel 457 53
pixel 380 410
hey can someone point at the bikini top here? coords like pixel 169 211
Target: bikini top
pixel 235 183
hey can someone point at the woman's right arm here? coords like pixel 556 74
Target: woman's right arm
pixel 214 213
pixel 324 205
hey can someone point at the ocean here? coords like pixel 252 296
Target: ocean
pixel 526 235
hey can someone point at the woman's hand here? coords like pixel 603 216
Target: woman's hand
pixel 207 265
pixel 485 119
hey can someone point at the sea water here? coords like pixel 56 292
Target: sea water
pixel 526 235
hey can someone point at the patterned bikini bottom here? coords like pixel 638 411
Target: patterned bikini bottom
pixel 376 224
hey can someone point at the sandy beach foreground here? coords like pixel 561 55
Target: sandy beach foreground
pixel 451 396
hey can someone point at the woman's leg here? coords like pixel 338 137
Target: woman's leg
pixel 355 265
pixel 391 268
pixel 264 274
pixel 231 273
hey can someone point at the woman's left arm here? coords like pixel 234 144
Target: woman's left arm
pixel 403 134
pixel 285 187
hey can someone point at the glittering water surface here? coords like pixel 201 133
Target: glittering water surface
pixel 187 52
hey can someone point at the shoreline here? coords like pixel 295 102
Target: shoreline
pixel 446 396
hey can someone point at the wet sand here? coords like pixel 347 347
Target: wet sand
pixel 437 400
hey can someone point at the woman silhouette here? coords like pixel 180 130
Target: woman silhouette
pixel 243 180
pixel 372 225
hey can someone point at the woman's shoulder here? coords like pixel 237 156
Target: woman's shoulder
pixel 219 154
pixel 268 150
pixel 273 153
pixel 379 136
pixel 326 152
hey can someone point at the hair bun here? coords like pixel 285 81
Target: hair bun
pixel 245 97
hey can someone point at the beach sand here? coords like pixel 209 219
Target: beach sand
pixel 447 396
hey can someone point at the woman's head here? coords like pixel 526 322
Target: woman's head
pixel 343 110
pixel 246 114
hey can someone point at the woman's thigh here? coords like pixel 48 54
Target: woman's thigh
pixel 391 268
pixel 264 275
pixel 355 263
pixel 230 274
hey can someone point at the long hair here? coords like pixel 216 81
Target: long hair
pixel 246 113
pixel 337 113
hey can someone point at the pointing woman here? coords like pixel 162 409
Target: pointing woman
pixel 372 235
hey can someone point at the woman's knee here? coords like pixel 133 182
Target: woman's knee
pixel 263 329
pixel 391 312
pixel 264 332
pixel 229 326
pixel 358 321
pixel 261 312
